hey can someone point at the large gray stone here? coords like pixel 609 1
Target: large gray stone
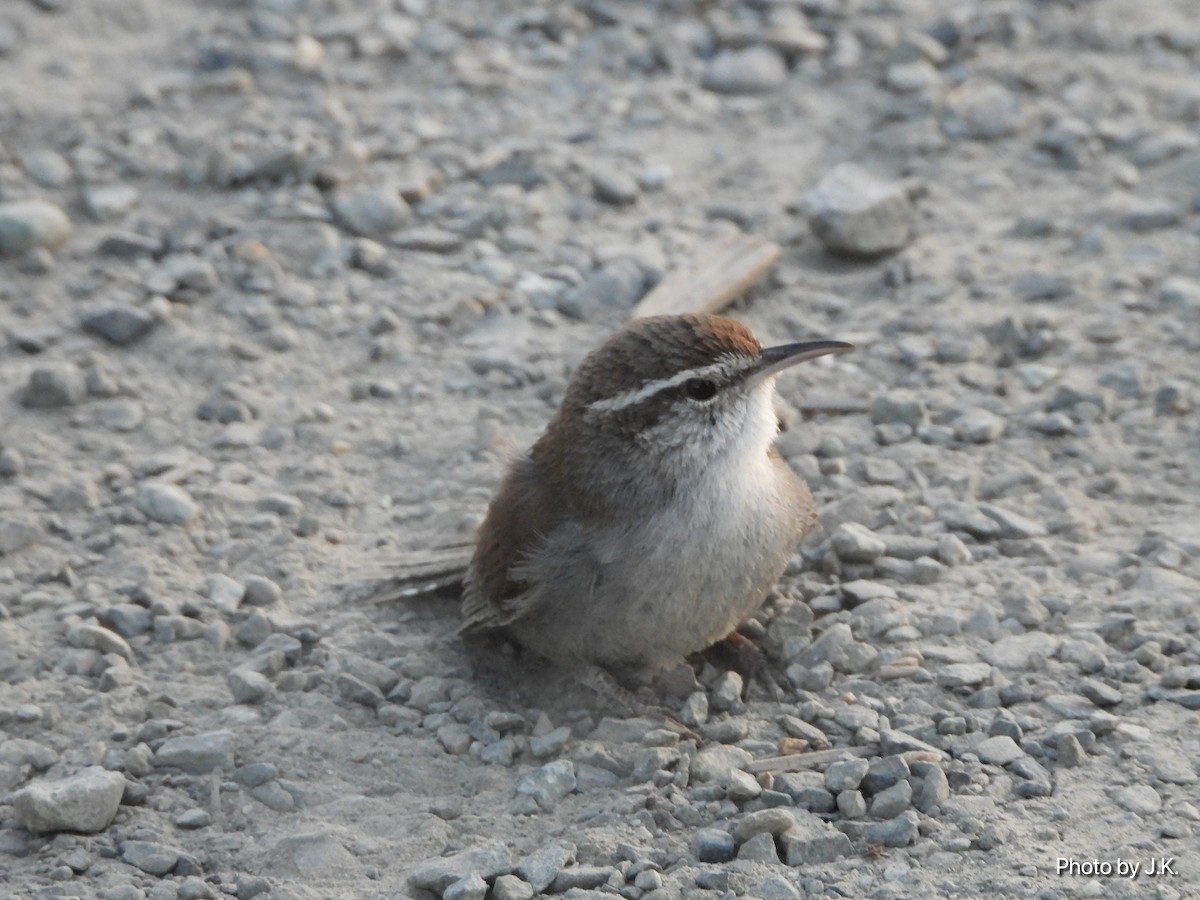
pixel 86 801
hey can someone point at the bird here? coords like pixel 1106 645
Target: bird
pixel 654 513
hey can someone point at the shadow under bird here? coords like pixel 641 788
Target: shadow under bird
pixel 654 513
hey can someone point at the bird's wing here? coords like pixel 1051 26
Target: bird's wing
pixel 524 526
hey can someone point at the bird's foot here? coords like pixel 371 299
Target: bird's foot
pixel 738 653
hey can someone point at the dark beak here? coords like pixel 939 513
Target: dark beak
pixel 774 360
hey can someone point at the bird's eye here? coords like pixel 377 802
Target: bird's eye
pixel 700 388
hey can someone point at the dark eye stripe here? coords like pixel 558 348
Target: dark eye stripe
pixel 726 367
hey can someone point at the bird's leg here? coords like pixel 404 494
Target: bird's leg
pixel 737 653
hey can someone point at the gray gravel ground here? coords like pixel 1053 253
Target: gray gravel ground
pixel 282 281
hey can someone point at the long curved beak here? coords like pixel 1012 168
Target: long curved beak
pixel 774 360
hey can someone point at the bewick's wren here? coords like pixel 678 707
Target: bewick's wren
pixel 654 514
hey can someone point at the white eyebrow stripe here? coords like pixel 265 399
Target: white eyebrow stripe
pixel 724 366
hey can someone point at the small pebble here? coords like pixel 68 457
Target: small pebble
pixel 119 324
pixel 845 774
pixel 580 878
pixel 1071 754
pixel 28 225
pixel 981 111
pixel 961 675
pixel 760 848
pixel 999 750
pixel 197 754
pixel 54 386
pixel 753 70
pixel 851 804
pixel 248 686
pixel 542 746
pixel 109 201
pixel 193 818
pixel 852 211
pixel 856 544
pixel 727 691
pixel 46 167
pixel 742 786
pixel 890 802
pixel 370 211
pixel 714 845
pixel 510 887
pixel 614 188
pixel 1042 286
pixel 471 887
pixel 166 503
pixel 151 857
pixel 260 591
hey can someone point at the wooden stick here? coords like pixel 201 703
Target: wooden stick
pixel 715 277
pixel 799 762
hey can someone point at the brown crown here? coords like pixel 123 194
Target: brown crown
pixel 657 347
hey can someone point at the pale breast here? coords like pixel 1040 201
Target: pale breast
pixel 683 578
